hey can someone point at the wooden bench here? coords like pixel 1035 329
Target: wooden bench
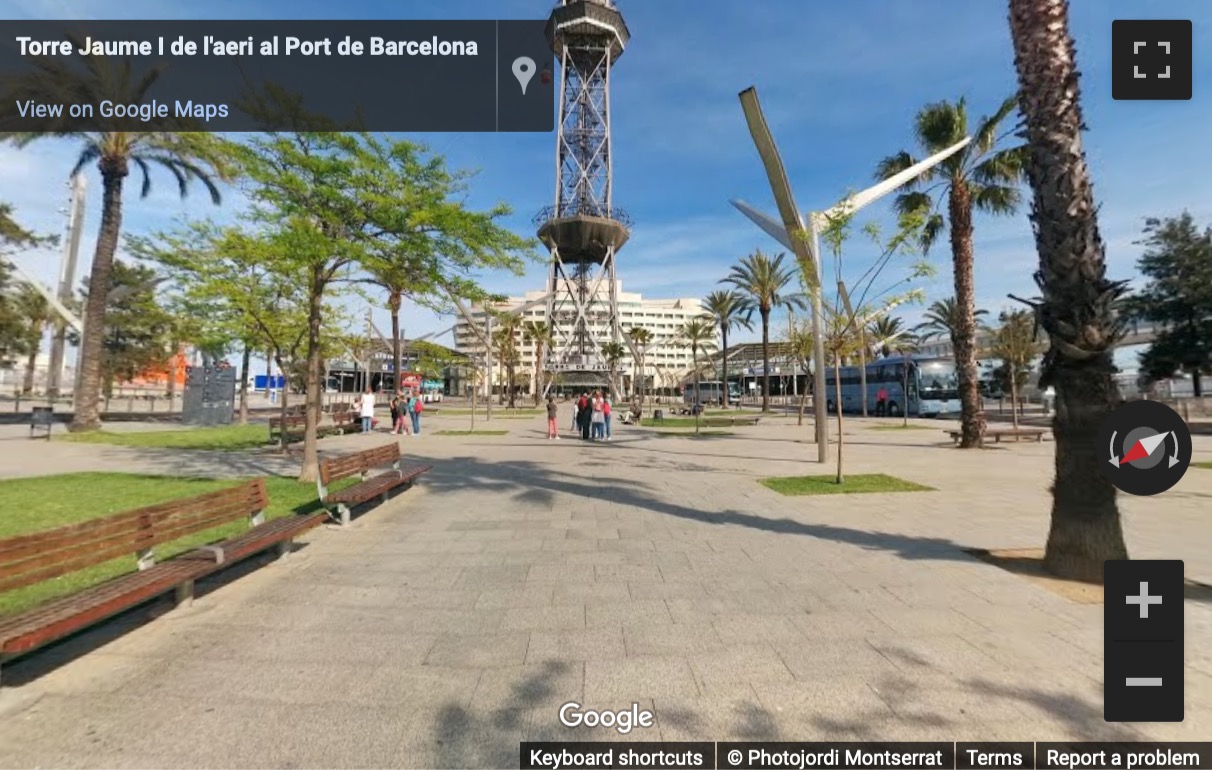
pixel 26 560
pixel 997 433
pixel 287 429
pixel 346 422
pixel 360 464
pixel 735 419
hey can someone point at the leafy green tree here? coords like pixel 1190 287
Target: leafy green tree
pixel 33 313
pixel 728 309
pixel 185 152
pixel 639 338
pixel 802 346
pixel 698 334
pixel 12 315
pixel 1176 299
pixel 137 329
pixel 338 202
pixel 542 336
pixel 983 176
pixel 1079 302
pixel 763 282
pixel 1013 343
pixel 905 345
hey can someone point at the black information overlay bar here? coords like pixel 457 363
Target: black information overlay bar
pixel 385 75
pixel 992 755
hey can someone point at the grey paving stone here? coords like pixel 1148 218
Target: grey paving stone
pixel 506 648
pixel 677 639
pixel 527 595
pixel 618 683
pixel 591 644
pixel 589 593
pixel 544 685
pixel 613 614
pixel 564 617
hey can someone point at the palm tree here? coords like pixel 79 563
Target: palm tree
pixel 1078 300
pixel 640 339
pixel 984 176
pixel 763 285
pixel 886 328
pixel 33 313
pixel 614 353
pixel 543 336
pixel 728 309
pixel 943 318
pixel 698 334
pixel 184 152
pixel 505 339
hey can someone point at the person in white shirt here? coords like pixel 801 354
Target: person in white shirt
pixel 367 410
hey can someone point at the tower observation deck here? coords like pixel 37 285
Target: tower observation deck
pixel 583 229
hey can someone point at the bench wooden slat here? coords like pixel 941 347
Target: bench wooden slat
pixel 61 617
pixel 358 463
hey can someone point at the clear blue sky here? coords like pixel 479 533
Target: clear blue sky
pixel 840 83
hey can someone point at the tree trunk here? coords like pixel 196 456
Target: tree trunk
pixel 511 372
pixel 803 400
pixel 170 388
pixel 315 309
pixel 1013 399
pixel 1076 309
pixel 1196 385
pixel 282 406
pixel 31 361
pixel 837 400
pixel 87 403
pixel 698 391
pixel 765 360
pixel 963 336
pixel 394 300
pixel 245 362
pixel 538 371
pixel 724 364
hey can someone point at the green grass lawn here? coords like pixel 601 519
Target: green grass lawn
pixel 900 427
pixel 46 502
pixel 1205 464
pixel 497 411
pixel 471 433
pixel 678 433
pixel 223 437
pixel 826 485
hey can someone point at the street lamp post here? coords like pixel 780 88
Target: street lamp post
pixel 806 246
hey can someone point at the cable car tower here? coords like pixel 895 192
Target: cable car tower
pixel 583 230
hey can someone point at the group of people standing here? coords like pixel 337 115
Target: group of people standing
pixel 406 409
pixel 591 416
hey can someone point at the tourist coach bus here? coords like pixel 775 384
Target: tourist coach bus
pixel 933 390
pixel 711 393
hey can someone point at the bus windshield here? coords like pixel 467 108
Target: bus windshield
pixel 938 380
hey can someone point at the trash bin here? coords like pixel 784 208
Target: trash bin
pixel 41 419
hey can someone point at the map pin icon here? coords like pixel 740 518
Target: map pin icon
pixel 523 70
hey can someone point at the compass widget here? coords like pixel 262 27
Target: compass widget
pixel 1146 446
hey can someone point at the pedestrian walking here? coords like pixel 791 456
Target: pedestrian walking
pixel 606 415
pixel 584 413
pixel 598 417
pixel 417 405
pixel 395 413
pixel 553 414
pixel 881 402
pixel 366 409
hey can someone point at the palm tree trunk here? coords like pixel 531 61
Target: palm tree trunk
pixel 837 399
pixel 1077 298
pixel 538 372
pixel 171 386
pixel 905 395
pixel 765 360
pixel 315 308
pixel 724 363
pixel 963 339
pixel 245 362
pixel 694 355
pixel 87 403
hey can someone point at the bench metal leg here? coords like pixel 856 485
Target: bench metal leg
pixel 343 510
pixel 284 548
pixel 146 558
pixel 184 595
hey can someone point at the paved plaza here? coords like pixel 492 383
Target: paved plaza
pixel 449 624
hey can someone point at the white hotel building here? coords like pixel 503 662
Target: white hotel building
pixel 666 363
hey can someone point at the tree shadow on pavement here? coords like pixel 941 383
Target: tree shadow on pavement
pixel 535 482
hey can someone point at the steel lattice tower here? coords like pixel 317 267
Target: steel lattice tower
pixel 583 229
